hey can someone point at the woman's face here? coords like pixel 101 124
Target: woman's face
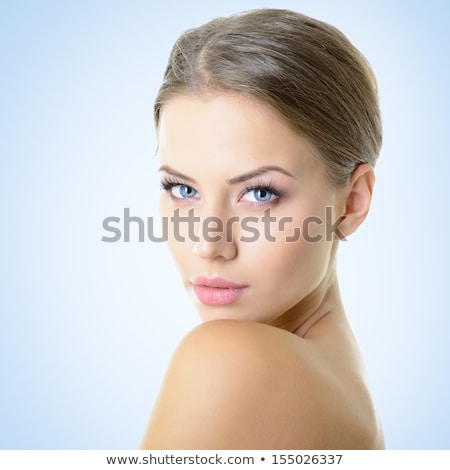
pixel 250 211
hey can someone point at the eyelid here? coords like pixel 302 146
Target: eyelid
pixel 169 182
pixel 265 185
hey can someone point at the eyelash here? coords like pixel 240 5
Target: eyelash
pixel 167 184
pixel 265 186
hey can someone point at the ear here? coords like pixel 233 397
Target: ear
pixel 358 196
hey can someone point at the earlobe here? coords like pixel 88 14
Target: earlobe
pixel 358 198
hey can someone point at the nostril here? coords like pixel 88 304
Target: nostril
pixel 219 248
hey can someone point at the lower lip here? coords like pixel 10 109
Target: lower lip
pixel 217 296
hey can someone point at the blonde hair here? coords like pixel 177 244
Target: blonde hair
pixel 305 69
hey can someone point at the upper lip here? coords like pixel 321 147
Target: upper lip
pixel 216 282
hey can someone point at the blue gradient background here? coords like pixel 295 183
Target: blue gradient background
pixel 87 327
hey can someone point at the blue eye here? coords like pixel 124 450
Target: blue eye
pixel 183 191
pixel 259 195
pixel 178 190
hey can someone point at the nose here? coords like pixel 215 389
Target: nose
pixel 216 240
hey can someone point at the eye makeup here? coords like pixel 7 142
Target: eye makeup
pixel 265 187
pixel 269 192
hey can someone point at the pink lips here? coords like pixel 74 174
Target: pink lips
pixel 216 291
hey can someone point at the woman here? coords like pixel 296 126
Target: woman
pixel 268 131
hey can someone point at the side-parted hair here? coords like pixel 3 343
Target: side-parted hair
pixel 305 69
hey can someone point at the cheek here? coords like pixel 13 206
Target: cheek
pixel 296 260
pixel 302 261
pixel 176 233
pixel 309 255
pixel 281 275
pixel 178 252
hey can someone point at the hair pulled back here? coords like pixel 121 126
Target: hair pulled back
pixel 305 69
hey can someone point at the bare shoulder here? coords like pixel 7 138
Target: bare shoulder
pixel 239 385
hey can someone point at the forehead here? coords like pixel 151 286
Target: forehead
pixel 229 127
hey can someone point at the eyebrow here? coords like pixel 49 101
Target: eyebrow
pixel 237 179
pixel 258 172
pixel 173 172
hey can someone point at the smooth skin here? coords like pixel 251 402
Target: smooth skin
pixel 278 368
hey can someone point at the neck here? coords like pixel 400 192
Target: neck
pixel 325 299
